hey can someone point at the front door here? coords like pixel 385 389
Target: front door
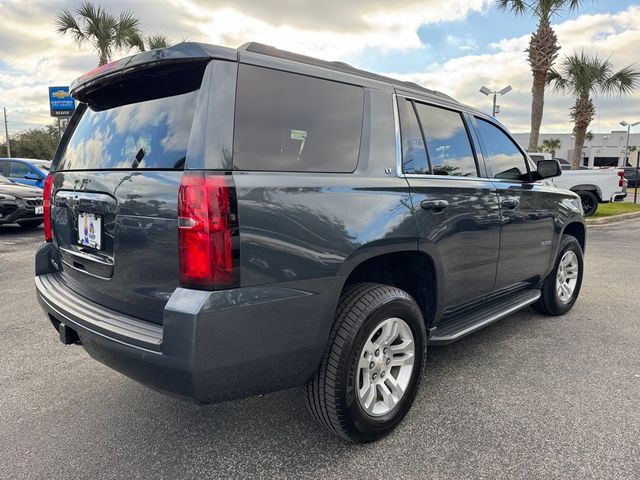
pixel 456 211
pixel 527 211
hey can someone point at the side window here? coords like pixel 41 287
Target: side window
pixel 4 168
pixel 19 170
pixel 448 143
pixel 290 122
pixel 414 155
pixel 501 153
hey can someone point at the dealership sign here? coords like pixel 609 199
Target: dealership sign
pixel 60 102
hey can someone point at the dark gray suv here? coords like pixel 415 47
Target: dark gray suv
pixel 221 223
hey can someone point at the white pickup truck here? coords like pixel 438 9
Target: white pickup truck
pixel 593 185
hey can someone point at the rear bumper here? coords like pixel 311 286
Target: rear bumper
pixel 619 197
pixel 212 346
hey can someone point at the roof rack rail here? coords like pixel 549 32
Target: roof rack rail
pixel 262 49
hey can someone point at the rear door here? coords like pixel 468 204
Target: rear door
pixel 455 208
pixel 114 210
pixel 527 209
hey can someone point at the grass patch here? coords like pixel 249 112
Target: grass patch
pixel 617 208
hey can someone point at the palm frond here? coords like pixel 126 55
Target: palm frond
pixel 127 31
pixel 516 7
pixel 623 82
pixel 157 41
pixel 66 22
pixel 556 80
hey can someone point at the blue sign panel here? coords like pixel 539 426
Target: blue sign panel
pixel 60 102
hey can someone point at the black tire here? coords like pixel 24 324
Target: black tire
pixel 30 223
pixel 331 393
pixel 589 202
pixel 549 303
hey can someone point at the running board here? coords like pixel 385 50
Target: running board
pixel 485 315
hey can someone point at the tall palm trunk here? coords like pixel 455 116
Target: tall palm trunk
pixel 582 114
pixel 537 108
pixel 543 51
pixel 580 134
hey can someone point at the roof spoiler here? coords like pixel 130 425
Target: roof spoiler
pixel 181 52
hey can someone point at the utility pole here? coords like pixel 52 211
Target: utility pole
pixel 6 132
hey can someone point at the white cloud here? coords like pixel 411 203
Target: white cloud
pixel 609 35
pixel 35 56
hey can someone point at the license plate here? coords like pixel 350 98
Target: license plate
pixel 39 210
pixel 90 230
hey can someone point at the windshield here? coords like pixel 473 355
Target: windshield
pixel 146 135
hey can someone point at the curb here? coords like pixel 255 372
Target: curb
pixel 613 218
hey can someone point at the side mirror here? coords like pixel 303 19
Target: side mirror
pixel 548 169
pixel 32 176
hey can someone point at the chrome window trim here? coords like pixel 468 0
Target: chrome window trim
pixel 396 126
pixel 396 121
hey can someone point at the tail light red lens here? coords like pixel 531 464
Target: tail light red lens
pixel 46 211
pixel 621 180
pixel 207 227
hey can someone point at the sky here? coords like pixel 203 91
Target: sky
pixel 455 46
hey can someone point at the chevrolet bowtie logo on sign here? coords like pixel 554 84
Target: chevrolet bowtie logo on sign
pixel 60 94
pixel 60 102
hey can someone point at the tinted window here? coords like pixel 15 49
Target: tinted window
pixel 414 156
pixel 448 143
pixel 289 122
pixel 19 170
pixel 144 135
pixel 501 153
pixel 4 168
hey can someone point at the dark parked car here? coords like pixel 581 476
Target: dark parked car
pixel 630 173
pixel 20 204
pixel 25 170
pixel 222 223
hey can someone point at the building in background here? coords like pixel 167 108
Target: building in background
pixel 603 150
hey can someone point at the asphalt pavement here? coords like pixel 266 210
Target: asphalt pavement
pixel 528 397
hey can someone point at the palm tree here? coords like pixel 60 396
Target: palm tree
pixel 583 75
pixel 105 32
pixel 543 49
pixel 157 41
pixel 551 145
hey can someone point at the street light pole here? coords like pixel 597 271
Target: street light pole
pixel 486 91
pixel 6 133
pixel 626 156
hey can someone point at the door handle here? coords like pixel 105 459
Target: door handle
pixel 434 205
pixel 510 203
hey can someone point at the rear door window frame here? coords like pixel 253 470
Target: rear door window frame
pixel 478 155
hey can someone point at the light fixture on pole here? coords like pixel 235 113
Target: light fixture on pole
pixel 626 156
pixel 486 91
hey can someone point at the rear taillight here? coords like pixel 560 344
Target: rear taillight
pixel 46 211
pixel 621 180
pixel 207 229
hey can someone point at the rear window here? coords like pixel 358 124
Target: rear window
pixel 146 135
pixel 291 122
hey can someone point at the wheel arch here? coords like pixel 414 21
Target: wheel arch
pixel 588 188
pixel 411 270
pixel 577 230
